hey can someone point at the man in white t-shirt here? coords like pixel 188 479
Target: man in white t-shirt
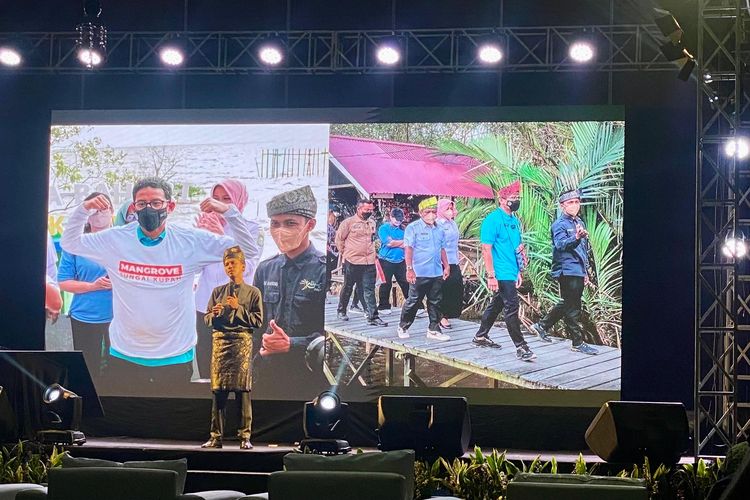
pixel 152 266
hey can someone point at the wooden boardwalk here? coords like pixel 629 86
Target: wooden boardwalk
pixel 556 366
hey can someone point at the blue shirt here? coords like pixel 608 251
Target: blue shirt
pixel 89 307
pixel 503 232
pixel 427 242
pixel 569 255
pixel 387 233
pixel 450 228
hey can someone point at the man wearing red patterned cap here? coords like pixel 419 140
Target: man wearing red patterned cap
pixel 503 253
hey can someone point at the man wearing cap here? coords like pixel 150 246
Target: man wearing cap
pixel 293 287
pixel 355 239
pixel 500 237
pixel 426 268
pixel 391 258
pixel 570 263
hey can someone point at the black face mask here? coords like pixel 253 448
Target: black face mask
pixel 366 215
pixel 150 219
pixel 514 205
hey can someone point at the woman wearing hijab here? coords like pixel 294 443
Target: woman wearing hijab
pixel 91 309
pixel 453 287
pixel 125 214
pixel 229 191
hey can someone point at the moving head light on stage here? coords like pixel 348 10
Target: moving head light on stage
pixel 431 426
pixel 326 422
pixel 61 417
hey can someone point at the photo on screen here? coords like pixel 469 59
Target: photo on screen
pixel 543 199
pixel 137 314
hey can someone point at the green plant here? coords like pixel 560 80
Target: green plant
pixel 427 478
pixel 22 464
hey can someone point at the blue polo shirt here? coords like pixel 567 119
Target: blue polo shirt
pixel 427 242
pixel 503 232
pixel 388 232
pixel 89 307
pixel 450 228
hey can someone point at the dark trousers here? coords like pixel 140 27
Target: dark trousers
pixel 331 261
pixel 392 270
pixel 568 308
pixel 93 340
pixel 218 413
pixel 432 288
pixel 364 277
pixel 453 294
pixel 505 300
pixel 204 346
pixel 124 377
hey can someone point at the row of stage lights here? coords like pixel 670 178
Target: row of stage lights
pixel 271 53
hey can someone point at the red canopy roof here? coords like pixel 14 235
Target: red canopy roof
pixel 384 167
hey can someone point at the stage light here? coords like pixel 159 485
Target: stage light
pixel 271 51
pixel 734 247
pixel 581 51
pixel 388 51
pixel 92 36
pixel 490 53
pixel 673 48
pixel 708 77
pixel 9 57
pixel 62 417
pixel 171 55
pixel 738 148
pixel 326 422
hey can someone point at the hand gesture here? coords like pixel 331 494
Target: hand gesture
pixel 209 222
pixel 275 342
pixel 98 202
pixel 210 205
pixel 581 232
pixel 446 273
pixel 218 309
pixel 233 302
pixel 102 283
pixel 492 284
pixel 411 276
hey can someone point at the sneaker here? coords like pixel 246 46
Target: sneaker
pixel 524 353
pixel 342 316
pixel 584 348
pixel 357 309
pixel 485 341
pixel 384 311
pixel 377 322
pixel 437 335
pixel 402 333
pixel 537 329
pixel 212 443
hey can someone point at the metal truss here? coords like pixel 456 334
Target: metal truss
pixel 722 301
pixel 526 49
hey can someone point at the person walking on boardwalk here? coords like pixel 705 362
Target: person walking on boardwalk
pixel 503 254
pixel 355 240
pixel 426 269
pixel 391 257
pixel 570 263
pixel 453 288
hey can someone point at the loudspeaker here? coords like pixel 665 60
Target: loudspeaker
pixel 431 426
pixel 627 431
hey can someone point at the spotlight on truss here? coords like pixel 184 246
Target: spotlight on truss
pixel 92 35
pixel 388 51
pixel 673 49
pixel 581 51
pixel 172 55
pixel 271 51
pixel 9 56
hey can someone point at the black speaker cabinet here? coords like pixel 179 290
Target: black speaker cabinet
pixel 627 431
pixel 431 426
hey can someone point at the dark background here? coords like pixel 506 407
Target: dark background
pixel 658 302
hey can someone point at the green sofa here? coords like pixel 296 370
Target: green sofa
pixel 526 486
pixel 118 483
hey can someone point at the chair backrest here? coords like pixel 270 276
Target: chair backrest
pixel 324 485
pixel 111 483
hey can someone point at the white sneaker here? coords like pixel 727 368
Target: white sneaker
pixel 384 312
pixel 435 335
pixel 402 334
